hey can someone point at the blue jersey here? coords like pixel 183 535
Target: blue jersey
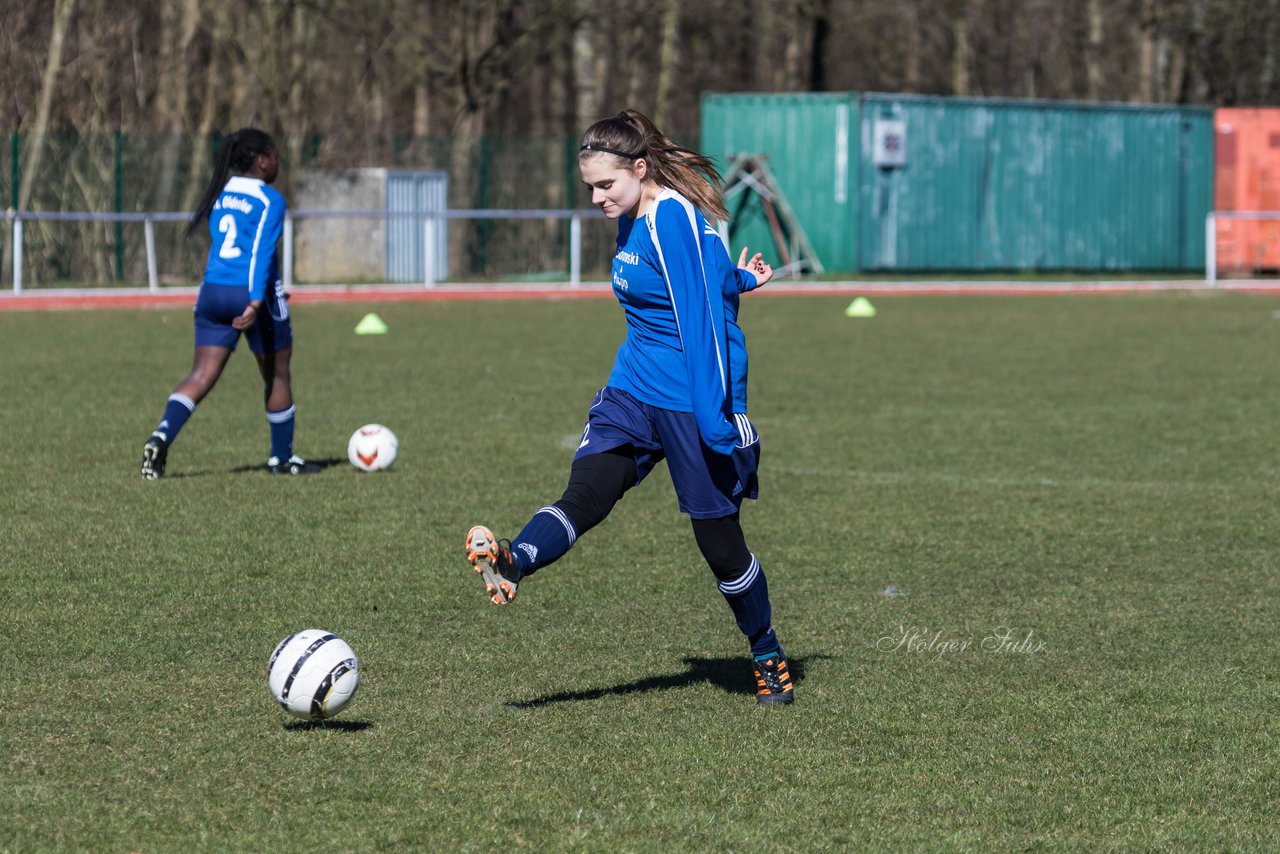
pixel 679 289
pixel 245 225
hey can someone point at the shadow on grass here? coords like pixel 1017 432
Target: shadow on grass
pixel 340 726
pixel 732 675
pixel 261 468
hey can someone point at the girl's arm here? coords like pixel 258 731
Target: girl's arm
pixel 264 247
pixel 675 227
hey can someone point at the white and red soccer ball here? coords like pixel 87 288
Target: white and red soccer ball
pixel 372 448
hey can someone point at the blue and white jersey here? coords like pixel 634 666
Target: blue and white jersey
pixel 245 225
pixel 679 289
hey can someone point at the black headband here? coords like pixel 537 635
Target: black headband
pixel 591 146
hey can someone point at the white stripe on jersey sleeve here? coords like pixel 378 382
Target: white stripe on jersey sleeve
pixel 651 220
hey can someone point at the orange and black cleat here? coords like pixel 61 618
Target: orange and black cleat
pixel 773 680
pixel 495 564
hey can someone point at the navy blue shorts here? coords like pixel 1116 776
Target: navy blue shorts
pixel 708 485
pixel 218 305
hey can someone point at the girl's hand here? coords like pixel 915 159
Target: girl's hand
pixel 246 319
pixel 756 267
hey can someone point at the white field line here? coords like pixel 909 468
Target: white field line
pixel 889 478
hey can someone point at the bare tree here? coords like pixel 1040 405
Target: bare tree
pixel 63 12
pixel 670 16
pixel 424 81
pixel 962 59
pixel 588 65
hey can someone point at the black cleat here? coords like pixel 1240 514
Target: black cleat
pixel 773 680
pixel 294 465
pixel 154 455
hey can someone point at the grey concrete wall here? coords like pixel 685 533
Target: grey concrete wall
pixel 331 251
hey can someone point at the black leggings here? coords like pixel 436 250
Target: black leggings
pixel 598 481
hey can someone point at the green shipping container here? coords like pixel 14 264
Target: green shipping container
pixel 983 184
pixel 811 142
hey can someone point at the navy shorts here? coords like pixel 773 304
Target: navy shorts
pixel 218 305
pixel 708 485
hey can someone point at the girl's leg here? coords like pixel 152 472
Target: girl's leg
pixel 596 482
pixel 277 388
pixel 277 393
pixel 206 367
pixel 742 583
pixel 740 579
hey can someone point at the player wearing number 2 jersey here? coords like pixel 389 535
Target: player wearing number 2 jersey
pixel 240 293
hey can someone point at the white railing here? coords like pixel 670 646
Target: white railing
pixel 431 237
pixel 1211 237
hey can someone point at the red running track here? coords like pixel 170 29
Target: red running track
pixel 101 298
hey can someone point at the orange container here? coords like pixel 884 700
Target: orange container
pixel 1247 178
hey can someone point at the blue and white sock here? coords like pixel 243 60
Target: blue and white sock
pixel 545 539
pixel 748 597
pixel 281 433
pixel 176 412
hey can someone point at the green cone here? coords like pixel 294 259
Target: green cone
pixel 371 324
pixel 861 307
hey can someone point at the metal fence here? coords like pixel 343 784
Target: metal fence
pixel 1218 226
pixel 432 246
pixel 129 176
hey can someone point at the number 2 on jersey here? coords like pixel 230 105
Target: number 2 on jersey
pixel 227 225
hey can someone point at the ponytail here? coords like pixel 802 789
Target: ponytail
pixel 236 154
pixel 630 135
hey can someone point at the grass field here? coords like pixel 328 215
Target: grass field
pixel 1092 479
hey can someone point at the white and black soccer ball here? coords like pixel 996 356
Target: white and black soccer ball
pixel 372 448
pixel 313 674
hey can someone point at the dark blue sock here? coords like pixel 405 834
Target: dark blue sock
pixel 748 596
pixel 281 433
pixel 545 539
pixel 176 412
